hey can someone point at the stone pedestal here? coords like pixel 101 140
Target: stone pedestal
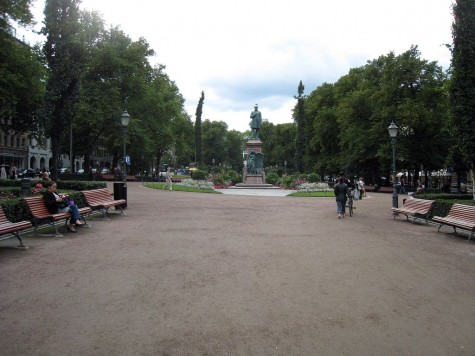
pixel 254 179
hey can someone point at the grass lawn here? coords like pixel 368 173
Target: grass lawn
pixel 312 194
pixel 180 188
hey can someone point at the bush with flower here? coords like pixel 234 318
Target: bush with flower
pixel 198 184
pixel 314 187
pixel 38 189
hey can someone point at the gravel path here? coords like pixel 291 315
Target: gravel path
pixel 209 274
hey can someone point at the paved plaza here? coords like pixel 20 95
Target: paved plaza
pixel 235 274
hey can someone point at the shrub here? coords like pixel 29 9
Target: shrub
pixel 233 176
pixel 272 178
pixel 313 178
pixel 443 196
pixel 199 175
pixel 287 181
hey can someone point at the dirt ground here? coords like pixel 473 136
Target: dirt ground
pixel 208 274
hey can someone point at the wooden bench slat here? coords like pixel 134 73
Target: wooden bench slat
pixel 413 207
pixel 14 228
pixel 460 216
pixel 101 199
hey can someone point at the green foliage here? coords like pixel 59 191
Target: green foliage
pixel 279 144
pixel 65 53
pixel 299 117
pixel 15 210
pixel 199 111
pixel 200 175
pixel 349 119
pixel 313 178
pixel 22 77
pixel 232 176
pixel 80 185
pixel 9 193
pixel 287 181
pixel 272 178
pixel 444 196
pixel 18 11
pixel 462 89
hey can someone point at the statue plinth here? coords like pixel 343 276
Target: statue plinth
pixel 253 172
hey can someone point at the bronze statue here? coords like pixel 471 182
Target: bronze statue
pixel 251 163
pixel 256 121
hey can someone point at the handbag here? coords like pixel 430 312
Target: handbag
pixel 64 203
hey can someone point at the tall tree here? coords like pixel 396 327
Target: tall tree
pixel 214 142
pixel 462 92
pixel 300 143
pixel 18 11
pixel 117 78
pixel 199 112
pixel 65 54
pixel 22 73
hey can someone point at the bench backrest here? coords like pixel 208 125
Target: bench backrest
pixel 37 207
pixel 97 196
pixel 3 217
pixel 462 212
pixel 419 204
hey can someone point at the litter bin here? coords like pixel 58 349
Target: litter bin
pixel 25 187
pixel 120 192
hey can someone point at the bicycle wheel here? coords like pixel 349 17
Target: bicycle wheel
pixel 350 206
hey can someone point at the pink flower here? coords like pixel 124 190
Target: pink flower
pixel 39 185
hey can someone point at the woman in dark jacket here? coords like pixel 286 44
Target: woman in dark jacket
pixel 55 204
pixel 340 190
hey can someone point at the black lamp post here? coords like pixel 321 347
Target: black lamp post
pixel 124 120
pixel 393 131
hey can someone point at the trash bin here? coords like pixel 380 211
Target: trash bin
pixel 120 192
pixel 25 187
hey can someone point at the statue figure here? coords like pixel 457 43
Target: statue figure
pixel 256 121
pixel 251 163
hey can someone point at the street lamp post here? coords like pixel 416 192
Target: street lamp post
pixel 393 131
pixel 124 120
pixel 285 167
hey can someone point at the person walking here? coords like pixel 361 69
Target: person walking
pixel 361 187
pixel 3 173
pixel 403 182
pixel 168 179
pixel 340 190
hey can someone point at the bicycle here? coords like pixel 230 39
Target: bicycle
pixel 350 201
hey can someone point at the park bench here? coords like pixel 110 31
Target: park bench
pixel 41 215
pixel 101 199
pixel 8 228
pixel 414 208
pixel 460 216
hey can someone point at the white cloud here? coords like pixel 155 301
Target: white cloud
pixel 248 51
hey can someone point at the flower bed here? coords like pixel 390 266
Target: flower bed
pixel 314 187
pixel 198 184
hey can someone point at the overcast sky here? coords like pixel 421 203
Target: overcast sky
pixel 243 52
